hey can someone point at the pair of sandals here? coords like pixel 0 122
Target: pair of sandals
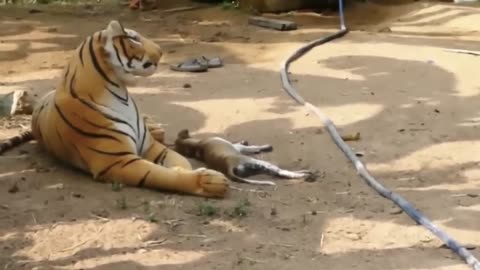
pixel 199 64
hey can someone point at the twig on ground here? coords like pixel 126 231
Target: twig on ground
pixel 475 53
pixel 252 260
pixel 192 235
pixel 34 219
pixel 282 245
pixel 179 9
pixel 247 190
pixel 75 246
pixel 99 217
pixel 154 243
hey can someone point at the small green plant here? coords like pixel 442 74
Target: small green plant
pixel 240 210
pixel 122 203
pixel 146 206
pixel 206 209
pixel 147 209
pixel 230 4
pixel 116 186
pixel 152 218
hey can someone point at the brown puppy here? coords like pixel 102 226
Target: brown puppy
pixel 230 158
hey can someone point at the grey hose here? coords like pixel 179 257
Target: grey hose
pixel 359 166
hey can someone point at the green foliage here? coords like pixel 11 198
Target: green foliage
pixel 122 203
pixel 240 210
pixel 206 209
pixel 230 4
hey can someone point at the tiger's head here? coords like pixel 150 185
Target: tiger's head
pixel 129 53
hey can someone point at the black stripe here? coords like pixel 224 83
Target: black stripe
pixel 162 160
pixel 138 117
pixel 129 63
pixel 143 138
pixel 123 29
pixel 96 103
pixel 124 100
pixel 131 161
pixel 110 117
pixel 108 168
pixel 84 133
pixel 96 65
pixel 93 107
pixel 160 155
pixel 118 54
pixel 60 138
pixel 80 52
pixel 66 74
pixel 80 155
pixel 111 129
pixel 122 153
pixel 142 181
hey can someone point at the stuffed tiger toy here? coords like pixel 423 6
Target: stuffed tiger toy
pixel 91 122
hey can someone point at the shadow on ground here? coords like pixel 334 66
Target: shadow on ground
pixel 282 229
pixel 42 207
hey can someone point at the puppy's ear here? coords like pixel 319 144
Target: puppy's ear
pixel 183 134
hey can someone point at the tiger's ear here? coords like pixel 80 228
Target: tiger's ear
pixel 115 29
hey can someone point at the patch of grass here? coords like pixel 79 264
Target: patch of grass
pixel 122 203
pixel 240 210
pixel 149 212
pixel 206 209
pixel 146 206
pixel 230 4
pixel 152 218
pixel 117 186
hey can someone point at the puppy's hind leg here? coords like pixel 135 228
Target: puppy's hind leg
pixel 252 149
pixel 270 169
pixel 237 173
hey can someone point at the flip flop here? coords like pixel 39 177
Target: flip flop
pixel 215 62
pixel 193 65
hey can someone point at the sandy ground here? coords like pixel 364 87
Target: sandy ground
pixel 415 106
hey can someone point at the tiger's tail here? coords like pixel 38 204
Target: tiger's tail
pixel 15 141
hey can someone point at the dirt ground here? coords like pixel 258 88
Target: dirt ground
pixel 415 105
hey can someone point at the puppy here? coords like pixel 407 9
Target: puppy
pixel 231 158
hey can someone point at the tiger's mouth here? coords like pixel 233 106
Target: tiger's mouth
pixel 146 69
pixel 148 64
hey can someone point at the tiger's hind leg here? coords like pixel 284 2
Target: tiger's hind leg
pixel 246 149
pixel 255 166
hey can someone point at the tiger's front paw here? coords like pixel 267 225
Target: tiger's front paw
pixel 211 183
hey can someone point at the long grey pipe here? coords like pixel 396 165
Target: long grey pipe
pixel 359 166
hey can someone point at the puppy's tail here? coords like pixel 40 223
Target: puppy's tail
pixel 234 177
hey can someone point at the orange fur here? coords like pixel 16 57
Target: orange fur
pixel 92 123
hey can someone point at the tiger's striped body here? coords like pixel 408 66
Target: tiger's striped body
pixel 91 121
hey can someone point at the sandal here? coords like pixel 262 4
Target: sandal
pixel 199 64
pixel 211 63
pixel 193 65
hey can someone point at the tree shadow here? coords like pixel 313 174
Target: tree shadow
pixel 395 125
pixel 49 32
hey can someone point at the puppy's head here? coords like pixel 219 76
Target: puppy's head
pixel 183 134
